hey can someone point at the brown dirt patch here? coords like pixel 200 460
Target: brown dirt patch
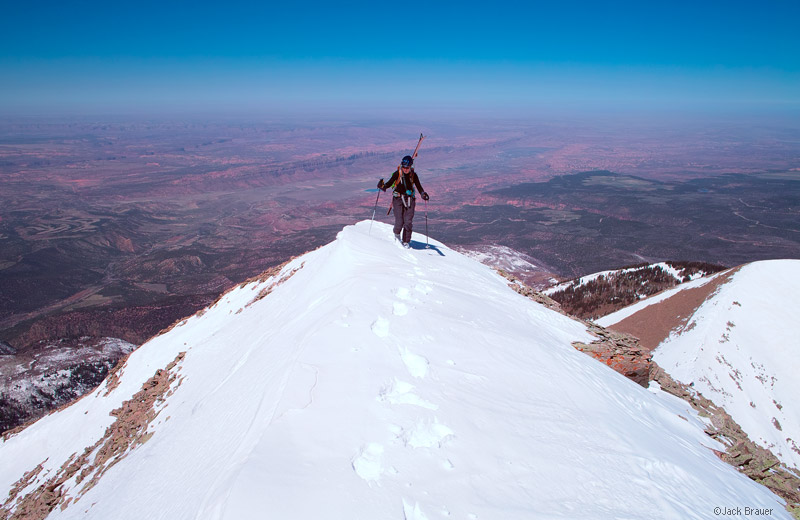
pixel 653 324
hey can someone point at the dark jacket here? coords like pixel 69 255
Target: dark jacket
pixel 403 184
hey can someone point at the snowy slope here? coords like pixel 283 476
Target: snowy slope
pixel 365 381
pixel 741 349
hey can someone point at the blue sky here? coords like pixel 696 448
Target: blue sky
pixel 454 55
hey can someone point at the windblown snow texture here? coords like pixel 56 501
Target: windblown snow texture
pixel 741 349
pixel 365 381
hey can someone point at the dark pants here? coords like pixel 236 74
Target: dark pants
pixel 403 217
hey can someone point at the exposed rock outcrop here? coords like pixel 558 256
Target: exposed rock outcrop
pixel 619 351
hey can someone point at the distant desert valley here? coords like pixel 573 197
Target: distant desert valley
pixel 116 228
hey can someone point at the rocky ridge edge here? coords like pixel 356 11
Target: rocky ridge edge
pixel 623 353
pixel 35 496
pixel 758 463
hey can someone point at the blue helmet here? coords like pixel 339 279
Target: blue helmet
pixel 407 161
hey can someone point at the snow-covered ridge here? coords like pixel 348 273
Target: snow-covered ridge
pixel 582 281
pixel 741 349
pixel 364 380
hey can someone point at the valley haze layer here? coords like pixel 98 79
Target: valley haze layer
pixel 133 223
pixel 118 227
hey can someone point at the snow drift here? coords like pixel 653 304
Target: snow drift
pixel 366 381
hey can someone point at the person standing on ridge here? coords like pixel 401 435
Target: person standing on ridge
pixel 403 180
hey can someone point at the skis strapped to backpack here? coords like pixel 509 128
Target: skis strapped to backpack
pixel 414 155
pixel 407 202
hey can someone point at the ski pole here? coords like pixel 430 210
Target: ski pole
pixel 426 224
pixel 414 156
pixel 373 212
